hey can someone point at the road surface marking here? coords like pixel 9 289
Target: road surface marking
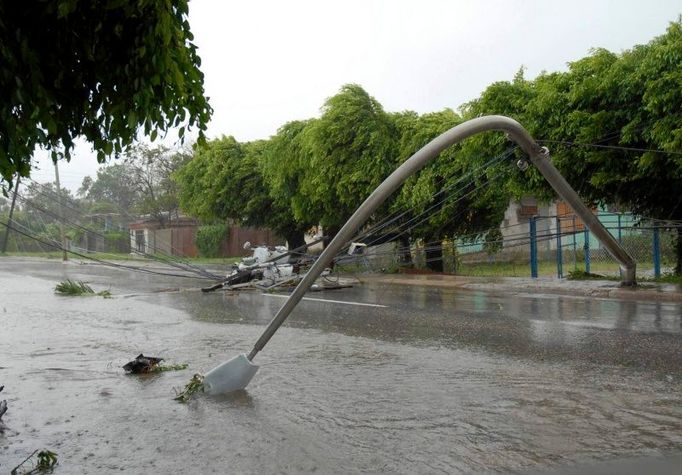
pixel 330 301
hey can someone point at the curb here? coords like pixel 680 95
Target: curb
pixel 598 289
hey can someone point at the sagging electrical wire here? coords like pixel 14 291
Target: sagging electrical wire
pixel 399 214
pixel 157 251
pixel 59 247
pixel 161 257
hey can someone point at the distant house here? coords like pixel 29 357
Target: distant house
pixel 554 218
pixel 178 237
pixel 103 232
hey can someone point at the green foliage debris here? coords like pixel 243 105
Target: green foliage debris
pixel 195 385
pixel 209 239
pixel 45 462
pixel 73 287
pixel 172 367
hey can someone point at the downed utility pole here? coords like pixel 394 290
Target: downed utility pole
pixel 244 274
pixel 237 373
pixel 61 217
pixel 11 213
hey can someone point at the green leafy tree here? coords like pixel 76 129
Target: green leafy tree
pixel 100 70
pixel 112 190
pixel 285 165
pixel 39 210
pixel 209 239
pixel 224 180
pixel 142 184
pixel 626 107
pixel 150 172
pixel 352 148
pixel 452 195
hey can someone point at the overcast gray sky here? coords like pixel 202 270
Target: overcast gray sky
pixel 268 62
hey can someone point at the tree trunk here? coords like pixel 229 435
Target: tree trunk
pixel 295 238
pixel 434 256
pixel 404 254
pixel 678 252
pixel 330 232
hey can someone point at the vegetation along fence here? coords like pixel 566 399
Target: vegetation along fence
pixel 542 246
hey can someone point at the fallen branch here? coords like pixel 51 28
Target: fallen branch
pixel 15 470
pixel 195 385
pixel 46 462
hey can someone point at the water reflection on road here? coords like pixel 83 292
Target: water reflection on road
pixel 438 381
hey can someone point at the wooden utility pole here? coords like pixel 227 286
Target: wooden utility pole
pixel 11 213
pixel 59 212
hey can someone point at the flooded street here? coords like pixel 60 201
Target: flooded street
pixel 420 381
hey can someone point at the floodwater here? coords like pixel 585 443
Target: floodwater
pixel 436 381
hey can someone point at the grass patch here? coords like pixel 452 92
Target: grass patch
pixel 667 279
pixel 195 385
pixel 580 274
pixel 78 287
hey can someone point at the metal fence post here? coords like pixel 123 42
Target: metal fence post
pixel 453 249
pixel 620 230
pixel 657 251
pixel 533 248
pixel 575 245
pixel 586 247
pixel 559 251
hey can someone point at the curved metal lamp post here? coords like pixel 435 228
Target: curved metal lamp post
pixel 237 372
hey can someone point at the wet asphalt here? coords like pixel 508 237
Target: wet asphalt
pixel 399 379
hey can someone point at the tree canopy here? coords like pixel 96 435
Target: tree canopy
pixel 611 121
pixel 352 149
pixel 100 70
pixel 224 181
pixel 141 184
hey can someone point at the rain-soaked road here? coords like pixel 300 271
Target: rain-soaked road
pixel 432 381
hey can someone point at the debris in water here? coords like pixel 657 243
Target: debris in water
pixel 270 268
pixel 142 364
pixel 3 410
pixel 72 287
pixel 46 460
pixel 195 385
pixel 170 367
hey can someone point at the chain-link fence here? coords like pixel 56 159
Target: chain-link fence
pixel 542 246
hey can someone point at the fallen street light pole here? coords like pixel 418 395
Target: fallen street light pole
pixel 237 373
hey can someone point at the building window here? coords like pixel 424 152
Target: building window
pixel 528 207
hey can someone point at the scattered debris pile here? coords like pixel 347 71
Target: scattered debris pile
pixel 45 459
pixel 271 268
pixel 150 364
pixel 3 410
pixel 142 364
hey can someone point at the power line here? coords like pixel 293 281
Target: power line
pixel 100 261
pixel 613 147
pixel 159 254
